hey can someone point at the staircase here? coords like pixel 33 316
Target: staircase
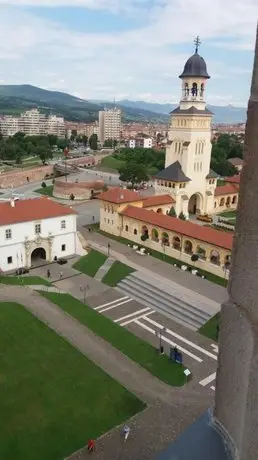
pixel 174 301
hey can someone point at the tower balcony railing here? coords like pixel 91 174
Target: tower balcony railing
pixel 193 98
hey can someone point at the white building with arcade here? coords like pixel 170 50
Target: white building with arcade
pixel 187 176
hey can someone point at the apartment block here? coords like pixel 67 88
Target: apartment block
pixel 32 123
pixel 110 124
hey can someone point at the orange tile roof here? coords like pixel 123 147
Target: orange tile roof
pixel 186 228
pixel 156 200
pixel 234 179
pixel 119 195
pixel 32 209
pixel 226 189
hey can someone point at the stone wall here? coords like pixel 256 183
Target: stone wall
pixel 80 190
pixel 20 177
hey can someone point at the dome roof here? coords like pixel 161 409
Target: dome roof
pixel 195 67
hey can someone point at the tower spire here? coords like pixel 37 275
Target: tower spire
pixel 254 87
pixel 197 43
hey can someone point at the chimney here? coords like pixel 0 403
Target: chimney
pixel 12 203
pixel 121 197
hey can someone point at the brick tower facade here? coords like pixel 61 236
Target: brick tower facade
pixel 236 404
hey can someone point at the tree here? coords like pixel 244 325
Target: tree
pixel 73 134
pixel 182 216
pixel 224 168
pixel 93 142
pixel 52 139
pixel 172 212
pixel 85 140
pixel 110 143
pixel 134 173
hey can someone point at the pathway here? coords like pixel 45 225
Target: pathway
pixel 104 269
pixel 171 409
pixel 151 265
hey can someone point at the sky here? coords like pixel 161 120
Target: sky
pixel 128 49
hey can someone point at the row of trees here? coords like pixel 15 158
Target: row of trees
pixel 227 146
pixel 139 163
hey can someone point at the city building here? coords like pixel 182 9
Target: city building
pixel 32 123
pixel 110 124
pixel 32 230
pixel 237 162
pixel 187 175
pixel 144 221
pixel 140 141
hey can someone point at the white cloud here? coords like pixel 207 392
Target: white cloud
pixel 132 63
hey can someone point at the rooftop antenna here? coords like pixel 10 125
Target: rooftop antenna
pixel 197 43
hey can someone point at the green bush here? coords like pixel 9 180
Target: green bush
pixel 43 185
pixel 182 216
pixel 72 196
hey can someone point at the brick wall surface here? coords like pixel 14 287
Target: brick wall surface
pixel 21 177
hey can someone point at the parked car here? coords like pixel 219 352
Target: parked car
pixel 22 271
pixel 205 218
pixel 62 261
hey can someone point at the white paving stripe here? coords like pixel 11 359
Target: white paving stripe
pixel 164 339
pixel 213 388
pixel 114 306
pixel 110 303
pixel 215 347
pixel 179 337
pixel 138 317
pixel 132 314
pixel 208 380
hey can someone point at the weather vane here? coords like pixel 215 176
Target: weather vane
pixel 197 43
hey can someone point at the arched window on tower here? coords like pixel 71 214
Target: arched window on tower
pixel 186 89
pixel 194 89
pixel 202 90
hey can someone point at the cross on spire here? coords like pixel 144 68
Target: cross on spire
pixel 197 43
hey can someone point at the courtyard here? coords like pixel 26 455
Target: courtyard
pixel 52 398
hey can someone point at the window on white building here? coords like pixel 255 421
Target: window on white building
pixel 63 247
pixel 37 228
pixel 9 260
pixel 63 224
pixel 8 234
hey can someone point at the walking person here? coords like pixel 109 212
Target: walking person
pixel 91 446
pixel 126 432
pixel 48 274
pixel 61 275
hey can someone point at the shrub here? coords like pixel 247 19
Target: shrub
pixel 43 185
pixel 53 181
pixel 144 237
pixel 72 196
pixel 46 176
pixel 182 216
pixel 172 212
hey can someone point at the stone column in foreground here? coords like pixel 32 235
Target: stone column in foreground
pixel 236 403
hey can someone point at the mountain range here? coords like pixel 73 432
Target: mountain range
pixel 14 99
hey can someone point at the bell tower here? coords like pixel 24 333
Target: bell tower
pixel 194 79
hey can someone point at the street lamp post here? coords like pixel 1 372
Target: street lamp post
pixel 84 289
pixel 108 246
pixel 159 334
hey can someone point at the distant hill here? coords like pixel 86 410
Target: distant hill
pixel 225 114
pixel 16 98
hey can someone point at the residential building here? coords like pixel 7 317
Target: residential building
pixel 32 123
pixel 34 230
pixel 110 124
pixel 140 141
pixel 237 162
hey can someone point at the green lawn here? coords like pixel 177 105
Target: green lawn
pixel 138 350
pixel 48 190
pixel 228 214
pixel 91 263
pixel 164 257
pixel 112 163
pixel 53 399
pixel 209 329
pixel 23 280
pixel 116 273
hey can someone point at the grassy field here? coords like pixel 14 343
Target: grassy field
pixel 138 350
pixel 116 273
pixel 91 263
pixel 24 280
pixel 112 163
pixel 164 257
pixel 48 190
pixel 228 214
pixel 53 399
pixel 209 329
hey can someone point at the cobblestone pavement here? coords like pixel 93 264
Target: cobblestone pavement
pixel 170 409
